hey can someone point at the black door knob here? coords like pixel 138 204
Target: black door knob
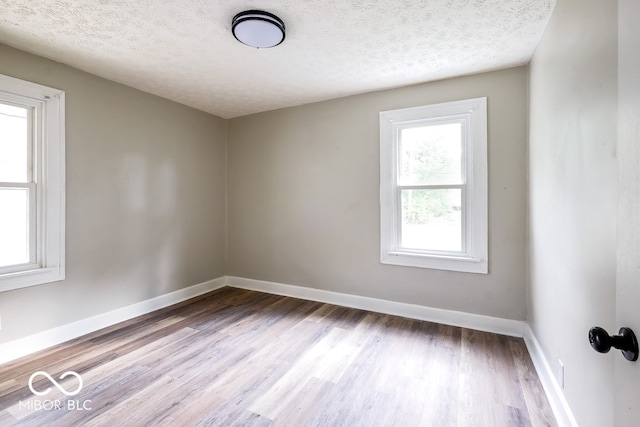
pixel 626 341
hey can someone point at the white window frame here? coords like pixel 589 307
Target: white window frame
pixel 472 114
pixel 47 189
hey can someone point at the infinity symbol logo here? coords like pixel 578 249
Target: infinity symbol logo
pixel 55 383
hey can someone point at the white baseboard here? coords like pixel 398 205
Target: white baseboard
pixel 412 311
pixel 559 405
pixel 24 346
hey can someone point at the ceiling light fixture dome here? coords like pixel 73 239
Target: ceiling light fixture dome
pixel 258 29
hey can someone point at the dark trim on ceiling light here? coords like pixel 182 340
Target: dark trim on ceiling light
pixel 260 16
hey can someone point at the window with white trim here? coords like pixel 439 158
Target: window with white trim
pixel 433 186
pixel 32 169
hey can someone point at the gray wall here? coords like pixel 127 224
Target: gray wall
pixel 145 205
pixel 572 167
pixel 147 187
pixel 304 198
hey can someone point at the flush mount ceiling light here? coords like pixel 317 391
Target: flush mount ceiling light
pixel 258 29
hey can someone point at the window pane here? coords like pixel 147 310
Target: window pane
pixel 432 220
pixel 14 226
pixel 430 155
pixel 13 144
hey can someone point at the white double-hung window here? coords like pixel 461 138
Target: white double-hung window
pixel 433 186
pixel 31 184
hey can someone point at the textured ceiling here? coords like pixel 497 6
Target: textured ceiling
pixel 184 50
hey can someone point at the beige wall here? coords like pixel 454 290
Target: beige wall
pixel 572 193
pixel 147 183
pixel 145 207
pixel 304 198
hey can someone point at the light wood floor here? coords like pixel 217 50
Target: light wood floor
pixel 242 358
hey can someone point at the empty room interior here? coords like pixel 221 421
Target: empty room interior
pixel 319 213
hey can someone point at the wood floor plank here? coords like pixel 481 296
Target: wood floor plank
pixel 6 419
pixel 243 358
pixel 70 359
pixel 91 376
pixel 135 410
pixel 320 313
pixel 533 393
pixel 9 386
pixel 474 382
pixel 299 411
pixel 288 387
pixel 353 400
pixel 224 296
pixel 506 390
pixel 339 359
pixel 189 412
pixel 269 364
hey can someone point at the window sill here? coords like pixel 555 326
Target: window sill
pixel 437 262
pixel 25 278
